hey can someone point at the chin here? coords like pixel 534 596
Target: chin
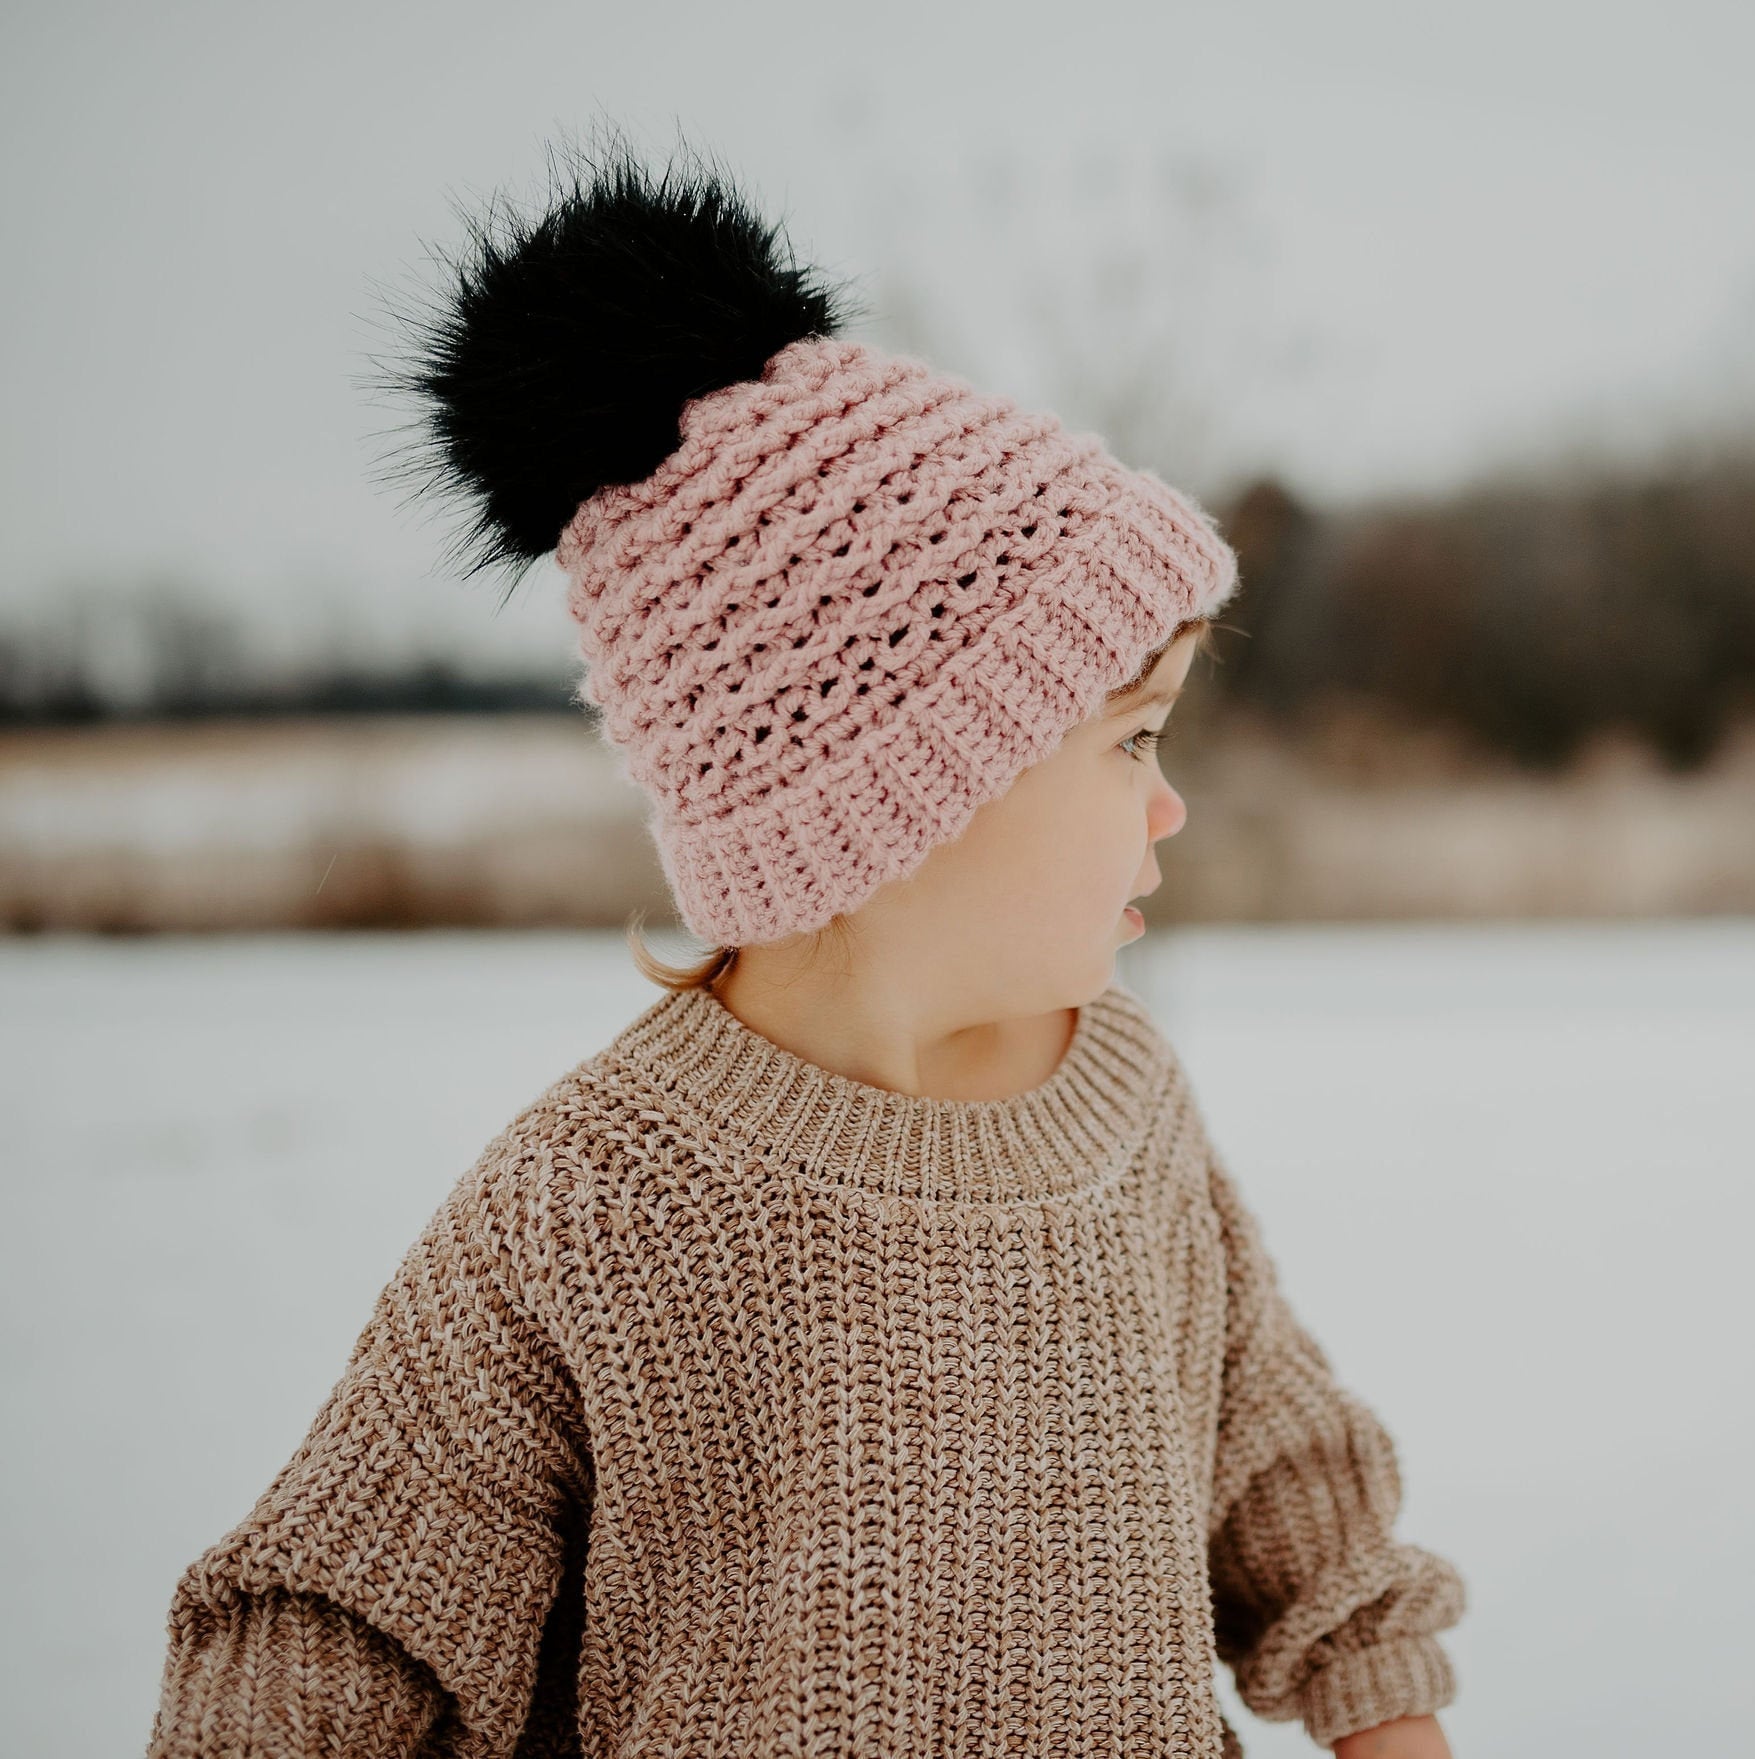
pixel 1101 976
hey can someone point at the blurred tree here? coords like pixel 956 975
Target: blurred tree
pixel 1527 617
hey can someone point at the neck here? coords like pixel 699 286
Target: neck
pixel 882 1037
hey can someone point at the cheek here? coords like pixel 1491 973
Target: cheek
pixel 1064 836
pixel 1066 849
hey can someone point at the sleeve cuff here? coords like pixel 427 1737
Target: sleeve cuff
pixel 1406 1676
pixel 281 1675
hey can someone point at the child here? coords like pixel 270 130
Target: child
pixel 867 1351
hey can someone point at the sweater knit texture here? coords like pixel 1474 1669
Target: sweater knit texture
pixel 853 605
pixel 730 1406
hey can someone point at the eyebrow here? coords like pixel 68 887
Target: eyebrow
pixel 1133 703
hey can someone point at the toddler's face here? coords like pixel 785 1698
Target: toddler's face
pixel 1031 895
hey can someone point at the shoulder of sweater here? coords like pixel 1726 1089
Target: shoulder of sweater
pixel 570 1141
pixel 562 1137
pixel 500 1219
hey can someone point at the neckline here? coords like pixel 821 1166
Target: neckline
pixel 1072 1130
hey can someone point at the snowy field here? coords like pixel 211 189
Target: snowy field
pixel 1508 1174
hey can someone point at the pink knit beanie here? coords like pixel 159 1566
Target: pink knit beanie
pixel 832 601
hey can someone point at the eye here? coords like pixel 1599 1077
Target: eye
pixel 1150 737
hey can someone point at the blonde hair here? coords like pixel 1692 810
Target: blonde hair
pixel 713 966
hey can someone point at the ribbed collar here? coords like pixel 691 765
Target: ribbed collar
pixel 1071 1131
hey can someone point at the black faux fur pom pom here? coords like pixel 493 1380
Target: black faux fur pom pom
pixel 570 339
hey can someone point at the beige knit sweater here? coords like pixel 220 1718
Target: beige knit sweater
pixel 729 1406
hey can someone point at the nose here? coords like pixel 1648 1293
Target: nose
pixel 1167 814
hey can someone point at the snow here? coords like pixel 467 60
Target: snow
pixel 1504 1171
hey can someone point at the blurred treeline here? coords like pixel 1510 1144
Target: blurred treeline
pixel 165 653
pixel 1522 618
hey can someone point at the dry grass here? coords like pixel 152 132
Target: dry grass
pixel 526 821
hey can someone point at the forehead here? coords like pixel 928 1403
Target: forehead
pixel 1161 683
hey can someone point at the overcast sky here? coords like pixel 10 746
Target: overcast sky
pixel 1370 246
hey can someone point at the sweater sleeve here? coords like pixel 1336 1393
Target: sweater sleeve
pixel 1319 1611
pixel 396 1587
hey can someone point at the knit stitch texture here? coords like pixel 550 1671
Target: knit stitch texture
pixel 729 1406
pixel 854 604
